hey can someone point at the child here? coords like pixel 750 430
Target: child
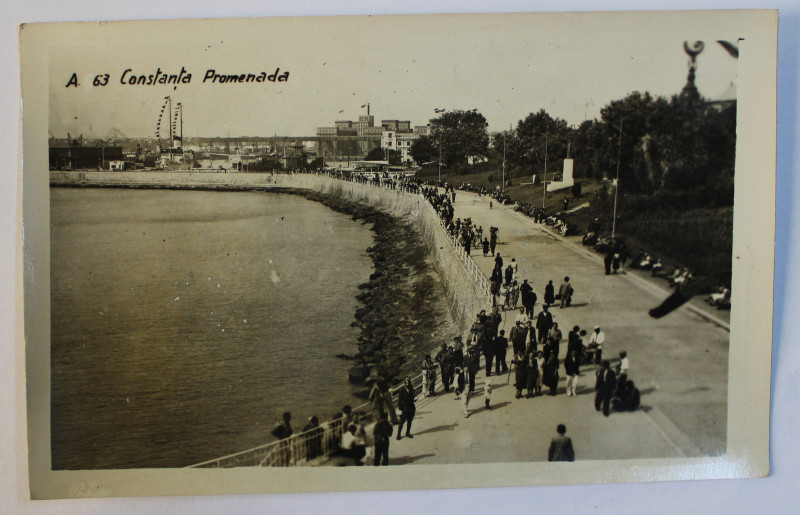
pixel 508 292
pixel 487 393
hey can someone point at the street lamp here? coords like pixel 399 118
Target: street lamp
pixel 503 185
pixel 616 186
pixel 439 111
pixel 544 176
pixel 440 158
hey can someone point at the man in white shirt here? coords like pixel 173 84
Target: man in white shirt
pixel 351 445
pixel 596 341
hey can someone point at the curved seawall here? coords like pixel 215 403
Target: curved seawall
pixel 465 286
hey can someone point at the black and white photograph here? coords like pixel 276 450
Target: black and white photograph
pixel 298 247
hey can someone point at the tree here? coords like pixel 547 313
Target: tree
pixel 395 157
pixel 381 154
pixel 424 150
pixel 674 144
pixel 376 154
pixel 461 135
pixel 537 136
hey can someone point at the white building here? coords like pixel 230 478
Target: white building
pixel 401 140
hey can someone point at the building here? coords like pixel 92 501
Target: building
pixel 88 158
pixel 401 137
pixel 354 139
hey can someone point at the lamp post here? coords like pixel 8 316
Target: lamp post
pixel 439 111
pixel 616 187
pixel 503 186
pixel 440 158
pixel 544 176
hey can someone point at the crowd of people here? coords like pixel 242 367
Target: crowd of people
pixel 534 342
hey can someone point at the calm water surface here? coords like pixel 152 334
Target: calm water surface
pixel 185 322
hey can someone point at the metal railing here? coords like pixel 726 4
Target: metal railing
pixel 308 448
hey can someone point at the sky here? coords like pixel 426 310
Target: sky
pixel 404 67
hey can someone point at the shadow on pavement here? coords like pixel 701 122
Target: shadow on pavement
pixel 436 429
pixel 404 460
pixel 494 407
pixel 687 392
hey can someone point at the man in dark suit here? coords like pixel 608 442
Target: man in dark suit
pixel 500 349
pixel 543 324
pixel 561 446
pixel 606 382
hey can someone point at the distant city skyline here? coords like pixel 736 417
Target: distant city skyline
pixel 405 67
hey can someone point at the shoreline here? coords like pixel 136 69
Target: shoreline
pixel 403 303
pixel 403 313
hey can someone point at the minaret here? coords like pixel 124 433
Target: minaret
pixel 690 90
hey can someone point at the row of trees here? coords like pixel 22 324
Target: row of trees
pixel 657 143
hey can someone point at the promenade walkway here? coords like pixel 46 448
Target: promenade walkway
pixel 679 363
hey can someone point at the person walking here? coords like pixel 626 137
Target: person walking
pixel 428 376
pixel 528 297
pixel 465 393
pixel 458 352
pixel 551 374
pixel 572 369
pixel 549 294
pixel 561 446
pixel 539 372
pixel 382 433
pixel 518 336
pixel 604 387
pixel 555 339
pixel 596 341
pixel 531 374
pixel 473 365
pixel 488 355
pixel 381 400
pixel 514 294
pixel 565 293
pixel 543 324
pixel 407 407
pixel 520 372
pixel 447 366
pixel 509 275
pixel 500 349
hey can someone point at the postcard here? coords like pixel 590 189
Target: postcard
pixel 397 252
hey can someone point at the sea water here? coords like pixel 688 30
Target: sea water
pixel 184 323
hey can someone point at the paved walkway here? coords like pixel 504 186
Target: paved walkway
pixel 679 363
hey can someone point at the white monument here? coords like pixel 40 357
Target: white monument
pixel 566 180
